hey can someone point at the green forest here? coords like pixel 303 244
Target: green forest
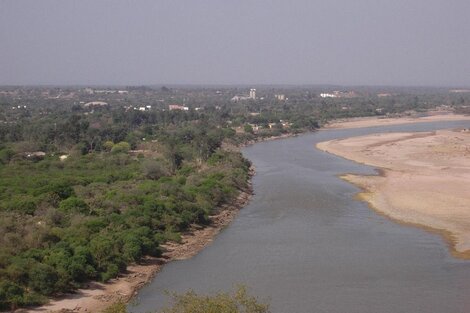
pixel 69 218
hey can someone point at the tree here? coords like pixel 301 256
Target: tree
pixel 73 204
pixel 42 278
pixel 248 128
pixel 11 295
pixel 174 157
pixel 121 147
pixel 102 250
pixel 6 155
pixel 108 145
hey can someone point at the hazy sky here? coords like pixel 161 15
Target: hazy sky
pixel 359 42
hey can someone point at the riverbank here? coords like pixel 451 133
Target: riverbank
pixel 424 179
pixel 262 139
pixel 361 122
pixel 98 296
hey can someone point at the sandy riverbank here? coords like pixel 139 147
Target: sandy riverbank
pixel 382 121
pixel 99 296
pixel 425 179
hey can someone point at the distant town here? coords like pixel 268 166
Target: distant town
pixel 251 102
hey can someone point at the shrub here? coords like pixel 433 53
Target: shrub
pixel 118 307
pixel 11 295
pixel 73 204
pixel 238 302
pixel 112 271
pixel 153 169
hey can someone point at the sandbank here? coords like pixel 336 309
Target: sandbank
pixel 385 121
pixel 424 179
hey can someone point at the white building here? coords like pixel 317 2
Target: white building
pixel 250 96
pixel 328 95
pixel 280 97
pixel 240 98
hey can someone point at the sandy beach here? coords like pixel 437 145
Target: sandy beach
pixel 424 179
pixel 384 121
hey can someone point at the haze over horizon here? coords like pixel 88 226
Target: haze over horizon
pixel 365 42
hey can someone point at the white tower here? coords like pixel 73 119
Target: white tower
pixel 252 93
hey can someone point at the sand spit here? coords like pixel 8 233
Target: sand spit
pixel 424 180
pixel 383 121
pixel 99 296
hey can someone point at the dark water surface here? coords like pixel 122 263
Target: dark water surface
pixel 304 242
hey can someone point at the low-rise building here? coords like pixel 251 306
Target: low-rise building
pixel 95 103
pixel 173 107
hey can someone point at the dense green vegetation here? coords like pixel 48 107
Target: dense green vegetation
pixel 67 220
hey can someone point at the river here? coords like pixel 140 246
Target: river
pixel 307 246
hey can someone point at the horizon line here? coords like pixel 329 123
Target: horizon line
pixel 235 85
